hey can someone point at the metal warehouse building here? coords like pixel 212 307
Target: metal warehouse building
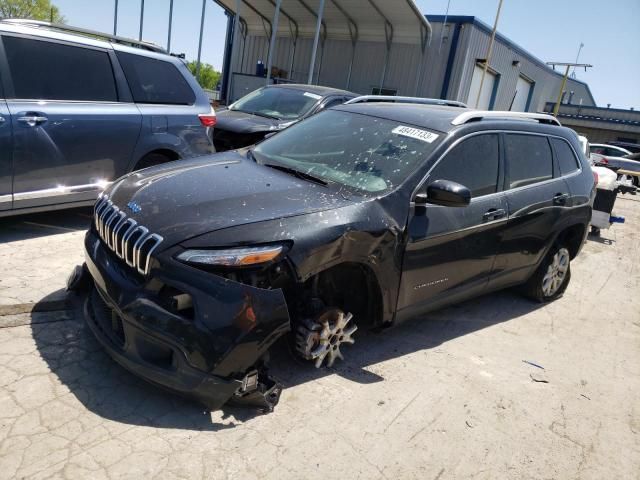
pixel 388 47
pixel 517 80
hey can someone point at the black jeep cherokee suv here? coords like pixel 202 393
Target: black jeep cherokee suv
pixel 369 213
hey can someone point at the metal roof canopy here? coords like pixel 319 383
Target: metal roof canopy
pixel 386 21
pixel 339 18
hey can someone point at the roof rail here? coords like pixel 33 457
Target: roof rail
pixel 476 115
pixel 393 98
pixel 83 31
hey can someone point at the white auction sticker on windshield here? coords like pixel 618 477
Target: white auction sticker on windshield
pixel 312 95
pixel 416 133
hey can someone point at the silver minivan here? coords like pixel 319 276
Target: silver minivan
pixel 79 109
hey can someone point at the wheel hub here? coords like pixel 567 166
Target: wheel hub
pixel 320 338
pixel 556 272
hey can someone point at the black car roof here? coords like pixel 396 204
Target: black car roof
pixel 317 89
pixel 439 118
pixel 433 117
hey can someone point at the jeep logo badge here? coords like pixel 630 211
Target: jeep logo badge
pixel 134 207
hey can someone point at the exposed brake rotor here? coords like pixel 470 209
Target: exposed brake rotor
pixel 320 338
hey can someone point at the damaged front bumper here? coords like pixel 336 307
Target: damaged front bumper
pixel 190 331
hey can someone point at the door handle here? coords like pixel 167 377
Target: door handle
pixel 494 214
pixel 32 120
pixel 2 120
pixel 560 198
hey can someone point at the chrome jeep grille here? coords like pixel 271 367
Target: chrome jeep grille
pixel 131 242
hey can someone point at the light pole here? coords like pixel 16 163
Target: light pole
pixel 486 60
pixel 573 74
pixel 556 108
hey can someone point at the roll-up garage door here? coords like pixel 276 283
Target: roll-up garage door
pixel 523 88
pixel 487 89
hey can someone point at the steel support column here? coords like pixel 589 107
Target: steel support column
pixel 236 21
pixel 170 22
pixel 294 37
pixel 272 42
pixel 316 37
pixel 294 42
pixel 141 19
pixel 204 8
pixel 322 42
pixel 388 35
pixel 353 33
pixel 423 50
pixel 243 31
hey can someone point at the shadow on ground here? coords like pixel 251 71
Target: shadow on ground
pixel 107 390
pixel 24 227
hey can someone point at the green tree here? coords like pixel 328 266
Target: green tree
pixel 32 9
pixel 209 76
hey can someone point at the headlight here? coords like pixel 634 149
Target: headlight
pixel 232 257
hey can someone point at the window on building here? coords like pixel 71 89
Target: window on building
pixel 155 81
pixel 567 160
pixel 529 159
pixel 42 70
pixel 473 163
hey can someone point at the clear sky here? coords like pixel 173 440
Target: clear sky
pixel 552 30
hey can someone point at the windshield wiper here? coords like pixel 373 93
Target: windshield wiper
pixel 259 114
pixel 297 173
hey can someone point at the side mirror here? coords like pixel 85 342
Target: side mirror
pixel 448 194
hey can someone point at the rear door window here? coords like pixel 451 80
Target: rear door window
pixel 42 70
pixel 529 159
pixel 567 160
pixel 474 163
pixel 155 81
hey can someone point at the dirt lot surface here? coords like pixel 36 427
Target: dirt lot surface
pixel 445 396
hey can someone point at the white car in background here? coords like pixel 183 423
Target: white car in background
pixel 613 157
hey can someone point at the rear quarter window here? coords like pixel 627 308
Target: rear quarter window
pixel 155 81
pixel 567 160
pixel 529 159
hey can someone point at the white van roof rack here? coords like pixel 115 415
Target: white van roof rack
pixel 393 98
pixel 476 115
pixel 59 27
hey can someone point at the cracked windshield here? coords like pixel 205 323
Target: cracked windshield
pixel 363 152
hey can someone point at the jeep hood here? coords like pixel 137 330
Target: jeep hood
pixel 187 198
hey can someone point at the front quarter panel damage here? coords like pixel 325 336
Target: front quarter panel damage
pixel 365 233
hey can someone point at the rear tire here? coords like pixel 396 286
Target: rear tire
pixel 151 160
pixel 552 277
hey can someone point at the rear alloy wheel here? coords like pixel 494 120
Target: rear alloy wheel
pixel 556 273
pixel 552 277
pixel 320 338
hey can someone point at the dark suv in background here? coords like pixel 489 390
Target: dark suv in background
pixel 80 109
pixel 271 109
pixel 367 214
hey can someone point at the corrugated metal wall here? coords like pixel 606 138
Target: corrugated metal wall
pixel 367 66
pixel 404 62
pixel 474 43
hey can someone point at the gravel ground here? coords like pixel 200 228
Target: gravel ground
pixel 445 396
